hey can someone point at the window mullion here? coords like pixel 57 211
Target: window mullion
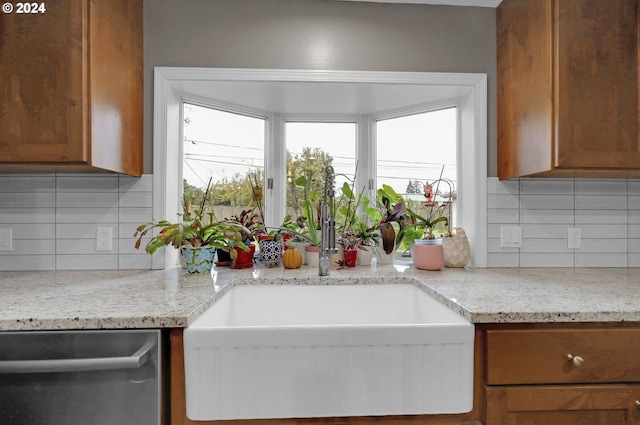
pixel 275 171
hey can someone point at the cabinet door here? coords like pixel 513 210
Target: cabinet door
pixel 563 405
pixel 43 77
pixel 596 84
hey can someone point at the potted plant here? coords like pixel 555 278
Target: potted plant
pixel 198 235
pixel 251 224
pixel 271 242
pixel 367 238
pixel 308 221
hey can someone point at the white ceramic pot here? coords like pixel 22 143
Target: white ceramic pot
pixel 457 251
pixel 312 255
pixel 364 257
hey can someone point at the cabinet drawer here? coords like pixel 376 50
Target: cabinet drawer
pixel 542 356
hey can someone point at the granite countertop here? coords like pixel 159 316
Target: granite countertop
pixel 171 298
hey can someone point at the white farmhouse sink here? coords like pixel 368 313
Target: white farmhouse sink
pixel 327 350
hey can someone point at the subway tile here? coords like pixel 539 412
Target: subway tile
pixel 506 216
pixel 37 231
pixel 592 187
pixel 564 187
pixel 127 230
pixel 604 231
pixel 601 216
pixel 29 247
pixel 27 262
pixel 135 199
pixel 127 246
pixel 87 262
pixel 546 202
pixel 80 246
pixel 128 184
pixel 27 215
pixel 602 202
pixel 601 260
pixel 546 260
pixel 86 183
pixel 545 246
pixel 633 260
pixel 27 183
pixel 134 262
pixel 87 215
pixel 503 201
pixel 503 260
pixel 502 187
pixel 633 186
pixel 602 245
pixel 633 246
pixel 27 200
pixel 135 215
pixel 546 216
pixel 633 202
pixel 633 231
pixel 83 231
pixel 544 231
pixel 87 200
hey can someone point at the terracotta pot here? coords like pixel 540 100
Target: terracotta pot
pixel 428 254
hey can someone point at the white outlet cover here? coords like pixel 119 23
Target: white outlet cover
pixel 104 239
pixel 511 237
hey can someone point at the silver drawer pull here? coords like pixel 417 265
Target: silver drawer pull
pixel 637 404
pixel 577 360
pixel 135 361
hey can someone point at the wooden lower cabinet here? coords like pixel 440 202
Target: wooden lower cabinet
pixel 563 405
pixel 562 374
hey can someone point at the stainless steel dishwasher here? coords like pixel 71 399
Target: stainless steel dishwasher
pixel 80 377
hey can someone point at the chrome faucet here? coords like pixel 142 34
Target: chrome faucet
pixel 327 223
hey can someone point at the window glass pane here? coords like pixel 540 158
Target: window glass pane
pixel 313 145
pixel 416 156
pixel 227 150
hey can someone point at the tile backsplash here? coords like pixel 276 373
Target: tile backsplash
pixel 54 220
pixel 607 212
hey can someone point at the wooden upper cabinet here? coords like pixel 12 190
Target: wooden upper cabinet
pixel 568 88
pixel 71 88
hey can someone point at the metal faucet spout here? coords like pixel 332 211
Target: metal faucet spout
pixel 327 223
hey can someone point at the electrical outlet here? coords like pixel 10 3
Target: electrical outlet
pixel 104 239
pixel 511 237
pixel 6 239
pixel 574 237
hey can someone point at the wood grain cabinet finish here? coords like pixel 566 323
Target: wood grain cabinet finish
pixel 71 88
pixel 568 88
pixel 565 376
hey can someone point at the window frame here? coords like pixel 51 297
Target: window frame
pixel 169 95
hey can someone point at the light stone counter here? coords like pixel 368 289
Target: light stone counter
pixel 172 298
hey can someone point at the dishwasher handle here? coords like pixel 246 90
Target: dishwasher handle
pixel 135 361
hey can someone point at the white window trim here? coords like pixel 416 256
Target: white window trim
pixel 472 107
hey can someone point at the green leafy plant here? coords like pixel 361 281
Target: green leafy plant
pixel 309 221
pixel 196 229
